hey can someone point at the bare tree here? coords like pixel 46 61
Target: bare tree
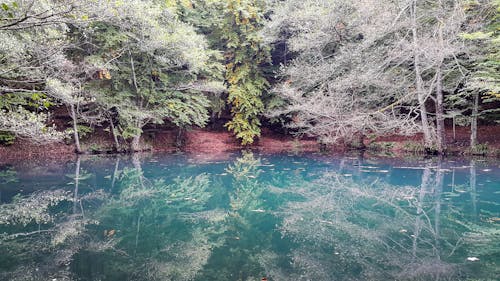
pixel 369 67
pixel 435 45
pixel 339 87
pixel 421 94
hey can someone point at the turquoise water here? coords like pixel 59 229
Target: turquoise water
pixel 247 216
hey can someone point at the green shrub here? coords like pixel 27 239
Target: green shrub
pixel 6 138
pixel 381 146
pixel 414 147
pixel 83 133
pixel 95 148
pixel 480 149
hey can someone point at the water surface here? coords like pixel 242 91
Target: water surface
pixel 247 216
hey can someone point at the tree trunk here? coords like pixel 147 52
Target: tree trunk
pixel 179 140
pixel 135 143
pixel 425 122
pixel 454 130
pixel 418 81
pixel 75 129
pixel 473 123
pixel 441 137
pixel 115 137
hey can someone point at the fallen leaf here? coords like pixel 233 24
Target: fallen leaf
pixel 109 233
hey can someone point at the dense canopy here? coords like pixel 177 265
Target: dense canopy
pixel 338 71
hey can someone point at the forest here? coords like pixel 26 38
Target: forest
pixel 269 134
pixel 338 72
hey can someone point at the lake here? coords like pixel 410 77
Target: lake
pixel 250 216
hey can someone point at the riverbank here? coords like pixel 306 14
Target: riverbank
pixel 207 141
pixel 193 141
pixel 457 142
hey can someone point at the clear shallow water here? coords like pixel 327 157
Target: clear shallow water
pixel 247 216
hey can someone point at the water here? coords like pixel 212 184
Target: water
pixel 246 216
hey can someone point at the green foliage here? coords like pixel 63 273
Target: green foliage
pixel 7 138
pixel 12 102
pixel 245 53
pixel 9 9
pixel 151 84
pixel 36 101
pixel 381 146
pixel 8 176
pixel 414 147
pixel 128 132
pixel 479 149
pixel 135 64
pixel 28 125
pixel 485 77
pixel 84 132
pixel 95 148
pixel 233 28
pixel 154 62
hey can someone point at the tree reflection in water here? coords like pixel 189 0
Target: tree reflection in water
pixel 280 218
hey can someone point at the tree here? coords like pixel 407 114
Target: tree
pixel 152 66
pixel 154 61
pixel 35 35
pixel 33 14
pixel 71 95
pixel 484 83
pixel 436 45
pixel 244 53
pixel 30 33
pixel 28 125
pixel 349 70
pixel 339 86
pixel 233 28
pixel 369 68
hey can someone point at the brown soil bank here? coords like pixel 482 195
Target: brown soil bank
pixel 205 141
pixel 195 141
pixel 458 141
